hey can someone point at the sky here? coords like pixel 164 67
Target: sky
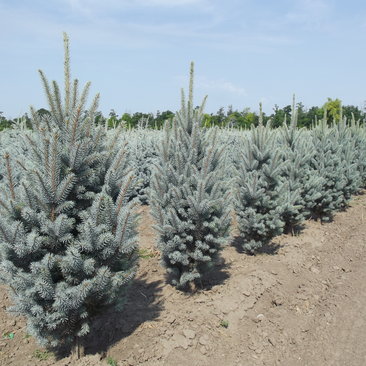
pixel 137 53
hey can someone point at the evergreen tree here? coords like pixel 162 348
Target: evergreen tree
pixel 293 208
pixel 259 199
pixel 328 164
pixel 232 142
pixel 190 195
pixel 301 182
pixel 311 181
pixel 67 230
pixel 349 160
pixel 143 155
pixel 358 135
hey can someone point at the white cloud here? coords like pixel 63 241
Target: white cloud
pixel 220 85
pixel 108 23
pixel 309 13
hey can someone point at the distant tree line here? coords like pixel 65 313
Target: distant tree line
pixel 223 117
pixel 306 116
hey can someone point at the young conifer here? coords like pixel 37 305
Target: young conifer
pixel 143 155
pixel 190 195
pixel 68 231
pixel 301 182
pixel 358 135
pixel 259 190
pixel 327 162
pixel 349 160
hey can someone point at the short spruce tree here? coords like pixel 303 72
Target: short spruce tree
pixel 259 201
pixel 310 179
pixel 293 207
pixel 143 154
pixel 358 135
pixel 67 230
pixel 327 163
pixel 301 182
pixel 189 196
pixel 349 151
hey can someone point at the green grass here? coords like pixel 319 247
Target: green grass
pixel 41 355
pixel 224 323
pixel 8 335
pixel 111 361
pixel 145 253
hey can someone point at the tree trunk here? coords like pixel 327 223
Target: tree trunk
pixel 78 349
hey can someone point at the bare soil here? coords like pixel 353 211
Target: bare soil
pixel 302 301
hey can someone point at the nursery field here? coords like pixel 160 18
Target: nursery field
pixel 300 301
pixel 189 245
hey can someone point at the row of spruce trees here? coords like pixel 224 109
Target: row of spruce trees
pixel 68 220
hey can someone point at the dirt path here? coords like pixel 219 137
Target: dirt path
pixel 302 302
pixel 339 337
pixel 337 329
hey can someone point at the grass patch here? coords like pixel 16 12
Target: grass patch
pixel 224 323
pixel 8 335
pixel 111 361
pixel 41 355
pixel 146 253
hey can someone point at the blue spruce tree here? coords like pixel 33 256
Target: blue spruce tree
pixel 189 196
pixel 301 183
pixel 349 160
pixel 358 135
pixel 327 162
pixel 143 154
pixel 67 230
pixel 259 201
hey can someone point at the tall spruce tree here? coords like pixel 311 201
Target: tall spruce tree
pixel 190 195
pixel 259 201
pixel 67 230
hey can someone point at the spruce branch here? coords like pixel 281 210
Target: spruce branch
pixel 10 176
pixel 58 101
pixel 260 123
pixel 48 92
pixel 67 73
pixel 122 194
pixel 74 95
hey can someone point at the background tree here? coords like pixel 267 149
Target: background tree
pixel 333 110
pixel 4 122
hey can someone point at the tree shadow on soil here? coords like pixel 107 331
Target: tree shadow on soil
pixel 267 248
pixel 143 304
pixel 324 219
pixel 295 230
pixel 218 274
